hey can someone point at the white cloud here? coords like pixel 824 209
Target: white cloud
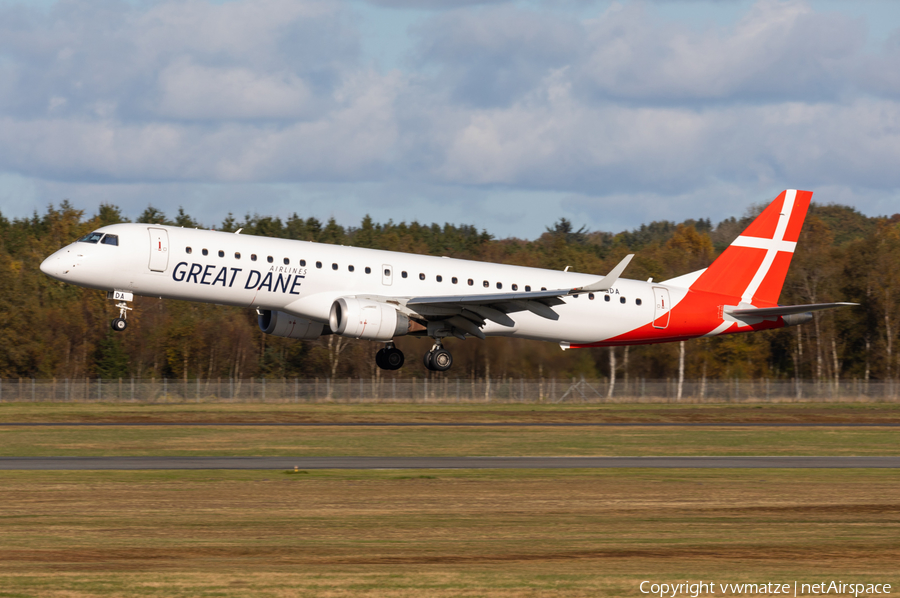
pixel 191 91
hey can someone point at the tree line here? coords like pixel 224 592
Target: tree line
pixel 49 329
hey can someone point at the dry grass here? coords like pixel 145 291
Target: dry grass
pixel 439 533
pixel 872 413
pixel 444 441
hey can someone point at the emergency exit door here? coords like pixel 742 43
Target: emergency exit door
pixel 661 307
pixel 159 249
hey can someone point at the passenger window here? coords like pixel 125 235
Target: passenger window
pixel 221 253
pixel 486 284
pixel 454 280
pixel 606 297
pixel 499 285
pixel 302 262
pixel 110 240
pixel 188 250
pixel 421 276
pixel 543 288
pixel 515 287
pixel 368 270
pixel 318 264
pixel 621 299
pixel 237 255
pixel 252 257
pixel 440 278
pixel 205 252
pixel 287 261
pixel 637 301
pixel 403 274
pixel 527 288
pixel 270 259
pixel 471 282
pixel 591 296
pixel 387 271
pixel 334 266
pixel 91 238
pixel 575 295
pixel 351 268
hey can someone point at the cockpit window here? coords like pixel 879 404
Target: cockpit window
pixel 110 240
pixel 91 237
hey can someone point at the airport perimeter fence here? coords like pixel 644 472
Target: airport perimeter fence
pixel 445 390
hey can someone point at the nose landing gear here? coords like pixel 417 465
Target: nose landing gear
pixel 119 324
pixel 438 359
pixel 389 358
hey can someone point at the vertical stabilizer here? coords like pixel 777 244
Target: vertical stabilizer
pixel 753 268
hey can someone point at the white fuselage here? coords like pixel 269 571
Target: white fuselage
pixel 304 279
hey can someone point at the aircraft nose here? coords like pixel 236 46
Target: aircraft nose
pixel 50 266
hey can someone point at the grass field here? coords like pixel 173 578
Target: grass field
pixel 453 441
pixel 870 413
pixel 458 440
pixel 442 532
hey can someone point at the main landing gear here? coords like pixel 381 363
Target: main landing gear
pixel 389 358
pixel 436 360
pixel 439 358
pixel 119 324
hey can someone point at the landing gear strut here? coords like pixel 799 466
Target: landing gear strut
pixel 119 324
pixel 389 358
pixel 439 358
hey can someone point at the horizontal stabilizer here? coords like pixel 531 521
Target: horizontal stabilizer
pixel 608 281
pixel 783 310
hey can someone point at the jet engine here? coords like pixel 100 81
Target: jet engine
pixel 278 323
pixel 368 320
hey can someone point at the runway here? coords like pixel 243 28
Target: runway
pixel 306 463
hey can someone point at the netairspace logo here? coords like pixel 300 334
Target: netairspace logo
pixel 694 590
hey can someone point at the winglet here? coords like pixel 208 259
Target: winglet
pixel 610 279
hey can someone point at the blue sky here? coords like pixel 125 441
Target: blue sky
pixel 505 115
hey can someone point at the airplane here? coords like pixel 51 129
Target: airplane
pixel 303 290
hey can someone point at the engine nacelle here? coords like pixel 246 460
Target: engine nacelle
pixel 278 323
pixel 368 320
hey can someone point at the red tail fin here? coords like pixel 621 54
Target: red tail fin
pixel 752 269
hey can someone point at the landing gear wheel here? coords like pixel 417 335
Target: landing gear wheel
pixel 426 360
pixel 389 358
pixel 441 360
pixel 393 358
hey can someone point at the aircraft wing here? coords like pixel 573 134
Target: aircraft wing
pixel 783 310
pixel 468 313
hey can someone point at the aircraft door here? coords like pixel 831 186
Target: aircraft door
pixel 159 249
pixel 661 307
pixel 387 275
